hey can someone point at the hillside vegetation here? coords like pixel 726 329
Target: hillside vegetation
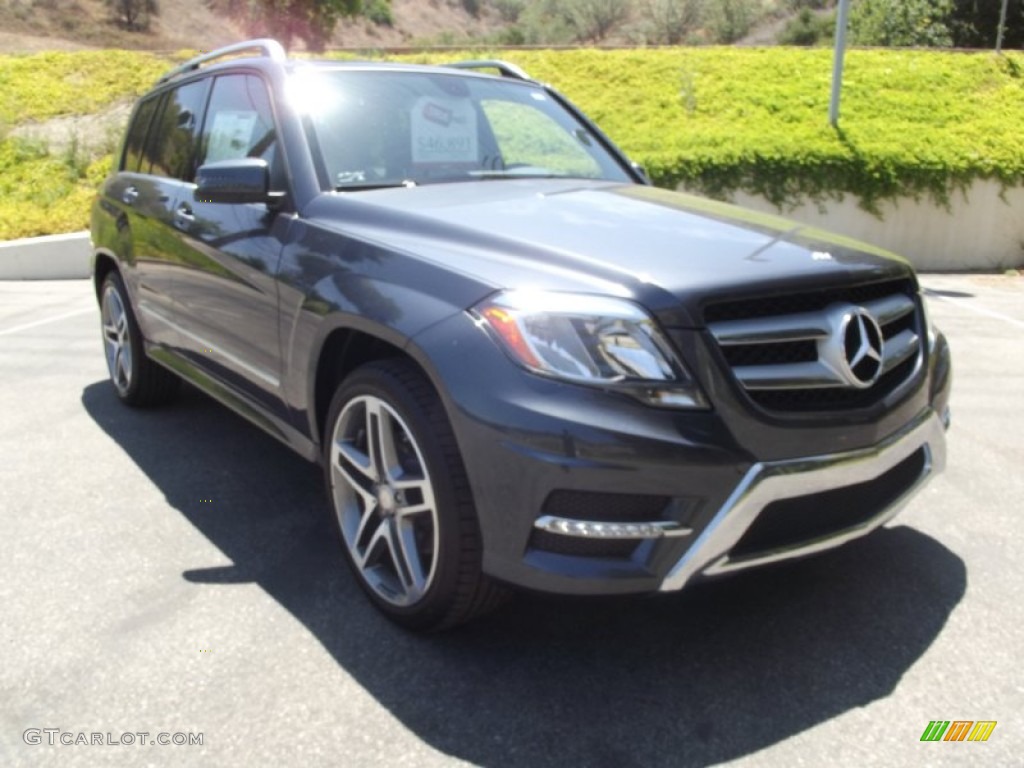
pixel 714 119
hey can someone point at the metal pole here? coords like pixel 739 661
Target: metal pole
pixel 1002 25
pixel 837 65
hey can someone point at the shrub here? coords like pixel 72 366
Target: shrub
pixel 902 22
pixel 716 120
pixel 720 120
pixel 808 29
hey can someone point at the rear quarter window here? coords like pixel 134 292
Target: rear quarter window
pixel 135 141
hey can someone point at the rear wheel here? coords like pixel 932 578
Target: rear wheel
pixel 136 379
pixel 401 499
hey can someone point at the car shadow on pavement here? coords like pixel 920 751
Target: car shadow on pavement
pixel 711 674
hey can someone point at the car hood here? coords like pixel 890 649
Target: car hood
pixel 670 251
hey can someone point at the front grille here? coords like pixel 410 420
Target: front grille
pixel 790 353
pixel 803 519
pixel 808 301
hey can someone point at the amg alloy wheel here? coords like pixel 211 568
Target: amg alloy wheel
pixel 401 499
pixel 384 500
pixel 136 379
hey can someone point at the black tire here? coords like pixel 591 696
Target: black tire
pixel 137 380
pixel 406 519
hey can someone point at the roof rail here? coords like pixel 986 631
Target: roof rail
pixel 267 47
pixel 504 68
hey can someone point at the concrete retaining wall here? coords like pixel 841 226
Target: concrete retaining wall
pixel 982 230
pixel 54 257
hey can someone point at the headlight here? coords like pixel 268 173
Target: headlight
pixel 595 340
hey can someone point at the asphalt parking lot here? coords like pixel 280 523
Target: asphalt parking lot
pixel 172 572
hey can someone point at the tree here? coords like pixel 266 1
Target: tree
pixel 668 22
pixel 973 23
pixel 902 23
pixel 807 28
pixel 310 20
pixel 133 15
pixel 732 19
pixel 594 19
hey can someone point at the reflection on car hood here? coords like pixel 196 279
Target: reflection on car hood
pixel 665 249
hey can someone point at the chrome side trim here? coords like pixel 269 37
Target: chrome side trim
pixel 771 481
pixel 594 529
pixel 258 373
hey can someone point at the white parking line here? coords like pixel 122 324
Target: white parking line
pixel 973 307
pixel 54 319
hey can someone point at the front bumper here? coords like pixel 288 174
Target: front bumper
pixel 702 492
pixel 921 442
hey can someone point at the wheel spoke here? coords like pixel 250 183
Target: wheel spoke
pixel 369 515
pixel 126 362
pixel 380 429
pixel 122 369
pixel 347 458
pixel 417 496
pixel 378 540
pixel 407 558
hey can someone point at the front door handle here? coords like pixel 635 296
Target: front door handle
pixel 130 195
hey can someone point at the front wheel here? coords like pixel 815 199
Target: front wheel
pixel 401 499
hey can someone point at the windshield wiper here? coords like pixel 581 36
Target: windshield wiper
pixel 525 173
pixel 364 187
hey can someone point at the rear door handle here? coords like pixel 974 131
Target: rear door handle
pixel 130 195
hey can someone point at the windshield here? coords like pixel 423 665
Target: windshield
pixel 393 128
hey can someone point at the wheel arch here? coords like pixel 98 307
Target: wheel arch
pixel 344 349
pixel 104 263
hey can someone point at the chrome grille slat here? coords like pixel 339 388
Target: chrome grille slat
pixel 890 308
pixel 814 375
pixel 803 351
pixel 807 326
pixel 900 347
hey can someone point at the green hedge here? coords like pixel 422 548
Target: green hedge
pixel 724 119
pixel 714 119
pixel 40 86
pixel 43 192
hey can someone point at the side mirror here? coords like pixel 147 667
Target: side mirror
pixel 246 180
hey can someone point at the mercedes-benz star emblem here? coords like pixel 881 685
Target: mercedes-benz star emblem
pixel 854 349
pixel 862 343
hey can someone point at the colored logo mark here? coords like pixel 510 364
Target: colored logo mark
pixel 958 730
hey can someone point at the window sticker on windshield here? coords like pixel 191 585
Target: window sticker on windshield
pixel 230 135
pixel 444 131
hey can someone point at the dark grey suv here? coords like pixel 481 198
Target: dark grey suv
pixel 518 362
